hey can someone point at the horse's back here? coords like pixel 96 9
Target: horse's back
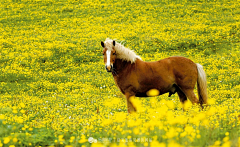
pixel 174 64
pixel 172 70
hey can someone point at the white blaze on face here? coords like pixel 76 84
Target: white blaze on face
pixel 108 57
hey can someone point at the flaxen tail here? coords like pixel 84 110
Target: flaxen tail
pixel 202 85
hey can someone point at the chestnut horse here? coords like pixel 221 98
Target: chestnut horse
pixel 135 77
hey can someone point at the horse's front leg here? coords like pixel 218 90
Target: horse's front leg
pixel 130 106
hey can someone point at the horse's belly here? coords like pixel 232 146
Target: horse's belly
pixel 141 95
pixel 144 94
pixel 142 90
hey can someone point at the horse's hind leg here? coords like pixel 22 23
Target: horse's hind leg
pixel 182 96
pixel 191 96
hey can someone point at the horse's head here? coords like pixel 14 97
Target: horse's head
pixel 109 55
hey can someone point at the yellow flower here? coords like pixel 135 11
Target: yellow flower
pixel 6 140
pixel 183 134
pixel 170 104
pixel 72 138
pixel 60 138
pixel 106 122
pixel 217 143
pixel 15 139
pixel 171 133
pixel 97 145
pixel 201 116
pixel 155 143
pixel 118 117
pixel 122 144
pixel 136 131
pixel 174 144
pixel 227 133
pixel 226 144
pixel 198 136
pixel 211 111
pixel 20 120
pixel 113 145
pixel 211 101
pixel 187 105
pixel 225 139
pixel 22 105
pixel 137 104
pixel 189 129
pixel 145 144
pixel 22 111
pixel 153 92
pixel 83 139
pixel 15 111
pixel 2 116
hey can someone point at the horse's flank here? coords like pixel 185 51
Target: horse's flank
pixel 141 76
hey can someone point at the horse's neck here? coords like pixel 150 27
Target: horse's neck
pixel 121 65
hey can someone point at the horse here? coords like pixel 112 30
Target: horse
pixel 135 77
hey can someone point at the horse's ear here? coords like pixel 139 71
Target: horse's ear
pixel 102 44
pixel 114 42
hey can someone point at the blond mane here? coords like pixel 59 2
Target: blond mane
pixel 122 52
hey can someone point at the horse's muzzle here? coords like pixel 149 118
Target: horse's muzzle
pixel 109 68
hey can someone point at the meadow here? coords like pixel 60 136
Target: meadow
pixel 54 90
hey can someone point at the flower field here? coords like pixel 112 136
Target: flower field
pixel 54 90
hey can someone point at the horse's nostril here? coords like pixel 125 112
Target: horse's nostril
pixel 109 68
